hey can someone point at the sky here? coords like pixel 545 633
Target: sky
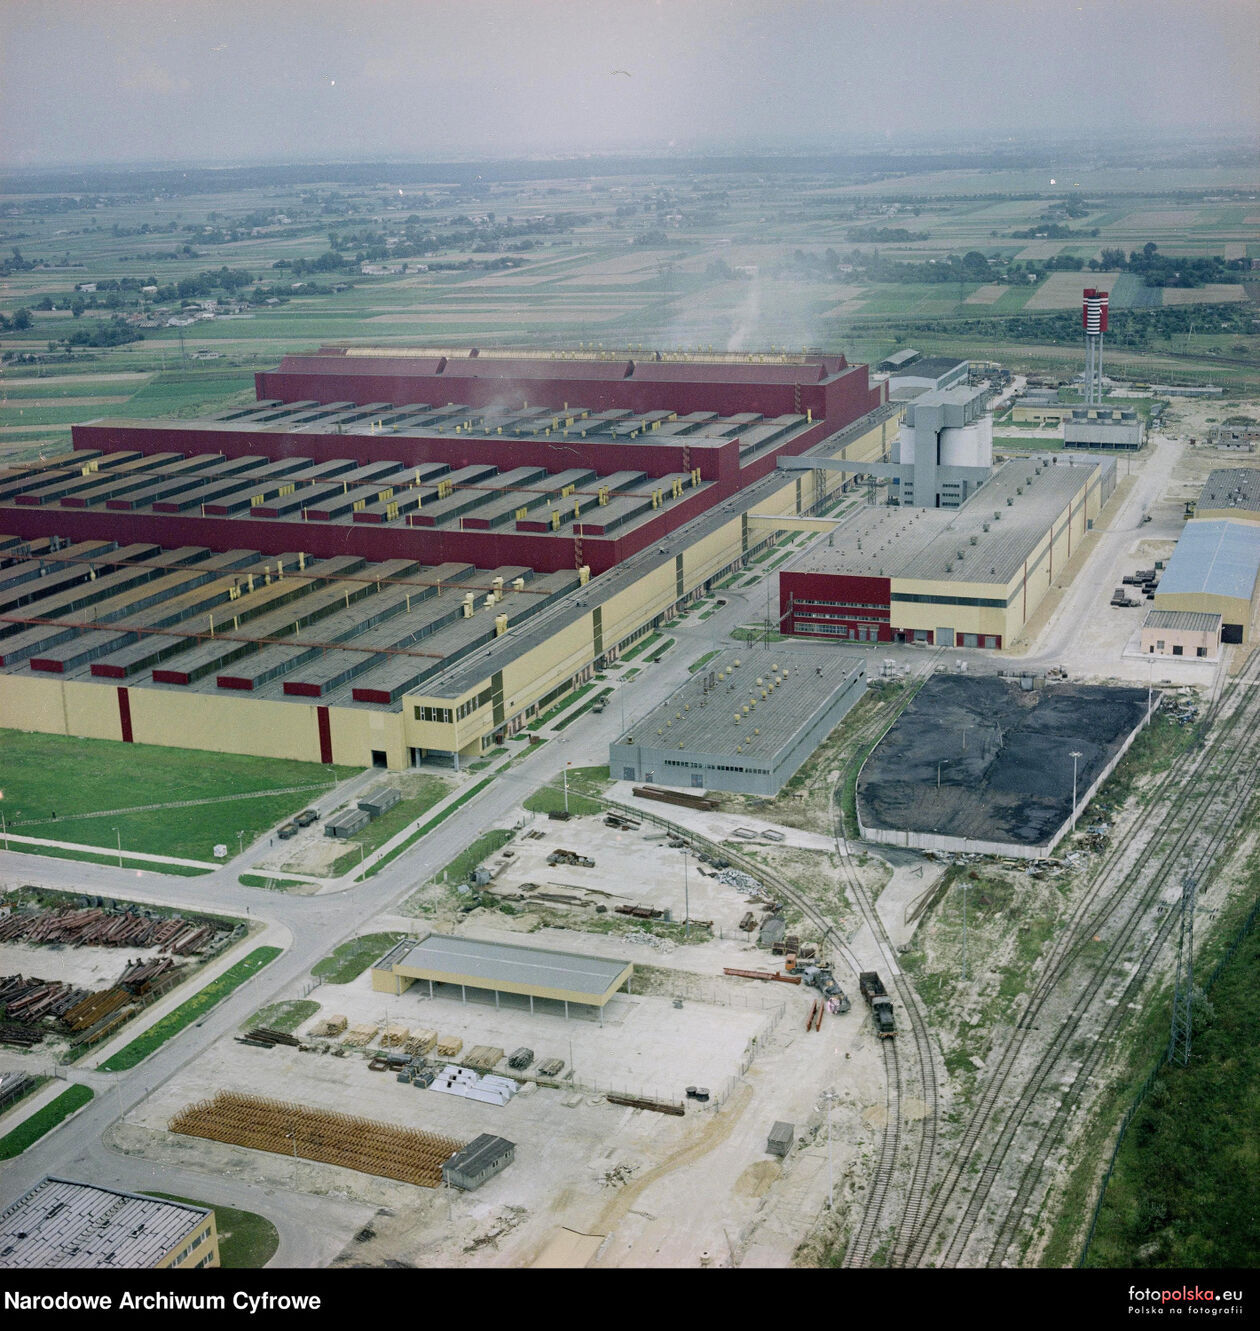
pixel 103 81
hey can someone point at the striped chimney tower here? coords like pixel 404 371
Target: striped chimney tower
pixel 1094 321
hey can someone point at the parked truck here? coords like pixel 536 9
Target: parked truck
pixel 872 989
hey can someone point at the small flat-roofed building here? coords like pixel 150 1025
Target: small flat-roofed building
pixel 63 1223
pixel 481 1159
pixel 745 723
pixel 1182 633
pixel 1215 569
pixel 502 969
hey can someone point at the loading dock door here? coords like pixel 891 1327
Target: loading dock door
pixel 944 637
pixel 1231 633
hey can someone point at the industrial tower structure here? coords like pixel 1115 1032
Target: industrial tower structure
pixel 1094 319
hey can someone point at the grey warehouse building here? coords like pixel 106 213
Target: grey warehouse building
pixel 744 724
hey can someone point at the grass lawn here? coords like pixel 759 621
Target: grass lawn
pixel 107 857
pixel 352 958
pixel 421 831
pixel 192 1010
pixel 286 1016
pixel 426 792
pixel 550 798
pixel 272 884
pixel 43 1121
pixel 246 1241
pixel 47 776
pixel 466 861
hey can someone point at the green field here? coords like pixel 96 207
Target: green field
pixel 43 1121
pixel 351 959
pixel 51 781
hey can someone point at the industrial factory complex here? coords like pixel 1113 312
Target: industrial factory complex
pixel 399 556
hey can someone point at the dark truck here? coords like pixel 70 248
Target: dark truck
pixel 872 989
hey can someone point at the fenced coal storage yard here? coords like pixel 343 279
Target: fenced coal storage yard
pixel 982 764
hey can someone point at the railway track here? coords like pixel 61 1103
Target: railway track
pixel 1187 836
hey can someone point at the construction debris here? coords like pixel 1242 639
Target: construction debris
pixel 562 856
pixel 96 927
pixel 329 1026
pixel 679 797
pixel 641 1102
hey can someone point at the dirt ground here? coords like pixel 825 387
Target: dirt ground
pixel 89 967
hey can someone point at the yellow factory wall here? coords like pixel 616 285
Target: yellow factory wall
pixel 224 724
pixel 355 732
pixel 1023 594
pixel 1232 610
pixel 184 1255
pixel 1227 514
pixel 54 706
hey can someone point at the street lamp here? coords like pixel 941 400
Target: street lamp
pixel 566 787
pixel 943 763
pixel 686 898
pixel 829 1098
pixel 1075 756
pixel 964 888
pixel 118 834
pixel 240 843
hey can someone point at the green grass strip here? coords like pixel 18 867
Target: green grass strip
pixel 544 720
pixel 272 884
pixel 104 857
pixel 184 1015
pixel 585 707
pixel 701 663
pixel 425 830
pixel 352 958
pixel 641 645
pixel 43 1121
pixel 467 860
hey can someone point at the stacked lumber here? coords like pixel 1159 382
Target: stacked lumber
pixel 421 1041
pixel 395 1036
pixel 449 1045
pixel 482 1057
pixel 360 1035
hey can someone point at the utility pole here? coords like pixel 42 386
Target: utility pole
pixel 1075 756
pixel 118 834
pixel 1183 988
pixel 686 899
pixel 566 786
pixel 828 1100
pixel 964 888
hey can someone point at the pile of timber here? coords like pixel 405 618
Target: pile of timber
pixel 679 797
pixel 95 927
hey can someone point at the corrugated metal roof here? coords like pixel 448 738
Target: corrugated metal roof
pixel 480 1153
pixel 1215 558
pixel 1232 487
pixel 1192 621
pixel 61 1223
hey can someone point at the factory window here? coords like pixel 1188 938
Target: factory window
pixel 952 600
pixel 627 773
pixel 1160 645
pixel 1200 651
pixel 1178 649
pixel 441 714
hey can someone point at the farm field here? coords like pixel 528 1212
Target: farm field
pixel 715 258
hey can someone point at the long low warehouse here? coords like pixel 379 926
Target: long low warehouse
pixel 500 968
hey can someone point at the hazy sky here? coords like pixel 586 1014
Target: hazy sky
pixel 96 81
